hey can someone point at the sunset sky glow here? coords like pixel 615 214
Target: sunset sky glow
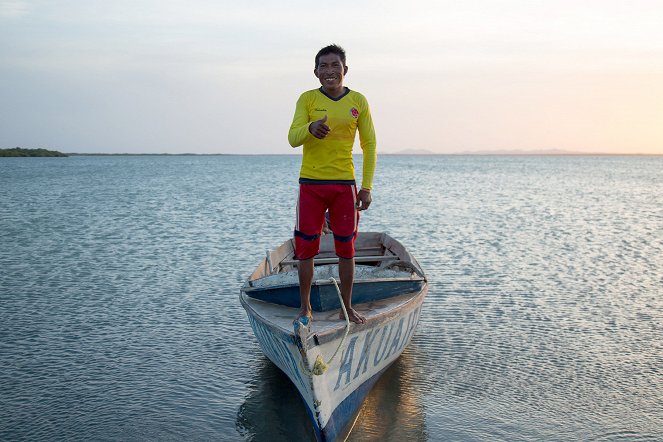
pixel 207 76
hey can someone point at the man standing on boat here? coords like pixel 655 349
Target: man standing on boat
pixel 326 121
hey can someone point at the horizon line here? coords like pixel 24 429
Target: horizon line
pixel 466 153
pixel 403 152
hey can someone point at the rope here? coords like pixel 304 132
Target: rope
pixel 353 427
pixel 320 366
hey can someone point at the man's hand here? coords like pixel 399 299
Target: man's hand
pixel 364 199
pixel 318 128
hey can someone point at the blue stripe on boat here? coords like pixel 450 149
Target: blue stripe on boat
pixel 324 297
pixel 344 414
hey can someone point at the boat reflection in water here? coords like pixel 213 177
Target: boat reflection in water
pixel 273 411
pixel 393 410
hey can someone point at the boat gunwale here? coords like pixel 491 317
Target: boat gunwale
pixel 326 282
pixel 332 331
pixel 372 241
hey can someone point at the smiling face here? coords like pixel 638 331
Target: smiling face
pixel 330 71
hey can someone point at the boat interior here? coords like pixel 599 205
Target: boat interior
pixel 374 250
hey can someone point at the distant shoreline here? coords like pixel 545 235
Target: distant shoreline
pixel 20 152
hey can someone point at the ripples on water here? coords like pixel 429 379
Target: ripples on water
pixel 120 319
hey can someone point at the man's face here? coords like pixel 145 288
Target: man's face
pixel 330 71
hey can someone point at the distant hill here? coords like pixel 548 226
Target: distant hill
pixel 411 152
pixel 488 152
pixel 21 152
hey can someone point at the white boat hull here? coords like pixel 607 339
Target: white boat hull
pixel 333 398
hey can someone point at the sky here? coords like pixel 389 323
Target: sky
pixel 203 76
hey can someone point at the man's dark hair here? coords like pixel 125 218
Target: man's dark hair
pixel 331 49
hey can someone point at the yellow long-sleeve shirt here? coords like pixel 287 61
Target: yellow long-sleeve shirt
pixel 331 157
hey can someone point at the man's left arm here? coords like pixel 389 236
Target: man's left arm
pixel 369 148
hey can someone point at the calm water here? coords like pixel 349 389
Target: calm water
pixel 120 320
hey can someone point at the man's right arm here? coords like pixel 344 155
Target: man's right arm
pixel 299 132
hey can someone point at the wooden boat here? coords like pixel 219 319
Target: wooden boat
pixel 334 363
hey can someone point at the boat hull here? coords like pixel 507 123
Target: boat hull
pixel 334 397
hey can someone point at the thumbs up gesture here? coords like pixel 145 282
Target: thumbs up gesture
pixel 319 128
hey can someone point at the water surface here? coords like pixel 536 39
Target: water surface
pixel 119 282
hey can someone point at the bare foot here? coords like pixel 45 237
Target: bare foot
pixel 305 312
pixel 353 316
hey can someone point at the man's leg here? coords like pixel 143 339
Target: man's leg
pixel 344 218
pixel 305 271
pixel 346 271
pixel 310 217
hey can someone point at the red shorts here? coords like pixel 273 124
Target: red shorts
pixel 314 200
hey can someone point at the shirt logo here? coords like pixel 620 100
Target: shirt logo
pixel 354 112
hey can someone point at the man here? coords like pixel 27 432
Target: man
pixel 326 121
